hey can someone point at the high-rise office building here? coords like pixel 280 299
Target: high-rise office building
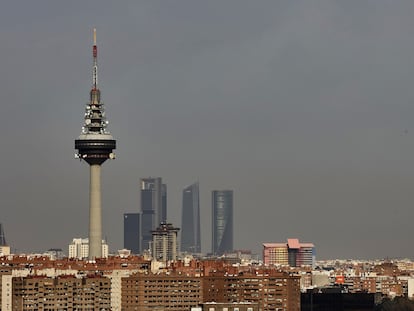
pixel 4 248
pixel 163 203
pixel 190 220
pixel 132 233
pixel 2 236
pixel 222 221
pixel 153 207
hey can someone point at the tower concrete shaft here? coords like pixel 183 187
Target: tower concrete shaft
pixel 95 146
pixel 95 212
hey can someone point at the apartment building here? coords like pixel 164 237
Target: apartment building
pixel 166 291
pixel 92 292
pixel 271 289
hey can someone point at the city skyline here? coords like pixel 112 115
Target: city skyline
pixel 303 108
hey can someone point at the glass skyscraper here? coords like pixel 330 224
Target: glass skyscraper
pixel 153 208
pixel 132 233
pixel 222 221
pixel 190 220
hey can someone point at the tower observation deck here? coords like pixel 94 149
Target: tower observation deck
pixel 95 145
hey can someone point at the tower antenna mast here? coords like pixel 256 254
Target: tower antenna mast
pixel 95 62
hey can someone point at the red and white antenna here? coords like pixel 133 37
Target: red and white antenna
pixel 95 62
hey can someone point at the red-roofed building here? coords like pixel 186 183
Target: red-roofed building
pixel 293 243
pixel 292 253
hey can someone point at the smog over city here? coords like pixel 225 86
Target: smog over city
pixel 303 108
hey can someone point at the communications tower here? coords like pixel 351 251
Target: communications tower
pixel 95 145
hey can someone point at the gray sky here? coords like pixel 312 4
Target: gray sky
pixel 304 108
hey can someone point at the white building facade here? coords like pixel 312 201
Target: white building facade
pixel 79 248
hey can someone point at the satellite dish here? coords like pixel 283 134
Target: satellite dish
pixel 87 121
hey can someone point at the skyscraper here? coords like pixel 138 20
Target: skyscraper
pixel 222 221
pixel 95 146
pixel 2 236
pixel 190 220
pixel 132 232
pixel 163 203
pixel 153 207
pixel 4 248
